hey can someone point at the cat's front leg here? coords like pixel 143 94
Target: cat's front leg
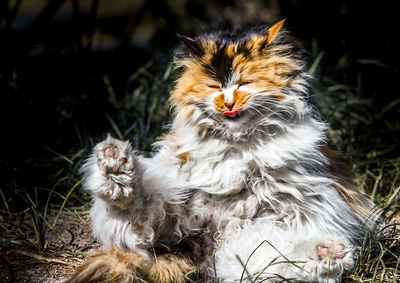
pixel 328 258
pixel 335 256
pixel 272 254
pixel 110 173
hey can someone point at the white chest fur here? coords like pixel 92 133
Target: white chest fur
pixel 223 167
pixel 216 167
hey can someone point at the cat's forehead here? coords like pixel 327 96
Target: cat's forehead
pixel 220 52
pixel 231 56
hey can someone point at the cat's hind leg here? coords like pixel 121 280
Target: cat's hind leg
pixel 272 254
pixel 126 267
pixel 322 259
pixel 110 172
pixel 330 256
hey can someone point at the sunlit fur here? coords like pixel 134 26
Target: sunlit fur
pixel 263 184
pixel 118 266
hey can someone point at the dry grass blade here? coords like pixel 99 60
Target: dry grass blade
pixel 115 127
pixel 316 62
pixel 65 201
pixel 39 257
pixel 58 154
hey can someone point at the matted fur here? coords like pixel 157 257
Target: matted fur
pixel 244 171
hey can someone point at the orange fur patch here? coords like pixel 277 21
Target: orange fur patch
pixel 240 98
pixel 192 87
pixel 119 266
pixel 184 114
pixel 231 50
pixel 184 157
pixel 173 142
pixel 274 30
pixel 256 43
pixel 210 49
pixel 170 269
pixel 112 265
pixel 219 103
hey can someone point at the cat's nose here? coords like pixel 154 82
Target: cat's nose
pixel 229 105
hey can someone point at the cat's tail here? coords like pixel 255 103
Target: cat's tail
pixel 119 266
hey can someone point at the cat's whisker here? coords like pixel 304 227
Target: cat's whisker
pixel 264 107
pixel 255 109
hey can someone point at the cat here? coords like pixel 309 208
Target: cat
pixel 242 188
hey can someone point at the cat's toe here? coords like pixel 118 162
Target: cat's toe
pixel 322 251
pixel 111 152
pixel 332 249
pixel 114 156
pixel 339 251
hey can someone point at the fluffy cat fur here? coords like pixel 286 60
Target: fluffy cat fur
pixel 244 177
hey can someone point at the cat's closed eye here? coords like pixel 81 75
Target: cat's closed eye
pixel 244 83
pixel 214 86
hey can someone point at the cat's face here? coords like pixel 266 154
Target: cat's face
pixel 229 81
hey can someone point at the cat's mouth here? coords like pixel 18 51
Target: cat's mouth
pixel 232 114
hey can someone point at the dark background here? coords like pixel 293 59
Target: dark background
pixel 72 71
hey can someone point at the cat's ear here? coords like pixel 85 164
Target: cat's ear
pixel 274 30
pixel 190 43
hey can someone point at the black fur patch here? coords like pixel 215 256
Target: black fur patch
pixel 221 67
pixel 201 247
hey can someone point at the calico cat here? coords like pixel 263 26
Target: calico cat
pixel 242 188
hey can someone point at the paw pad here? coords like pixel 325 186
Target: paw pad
pixel 111 151
pixel 329 248
pixel 113 156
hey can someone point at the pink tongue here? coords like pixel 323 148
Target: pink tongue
pixel 231 113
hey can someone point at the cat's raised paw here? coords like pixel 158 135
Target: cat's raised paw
pixel 114 156
pixel 115 161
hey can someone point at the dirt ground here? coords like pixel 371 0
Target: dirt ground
pixel 67 247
